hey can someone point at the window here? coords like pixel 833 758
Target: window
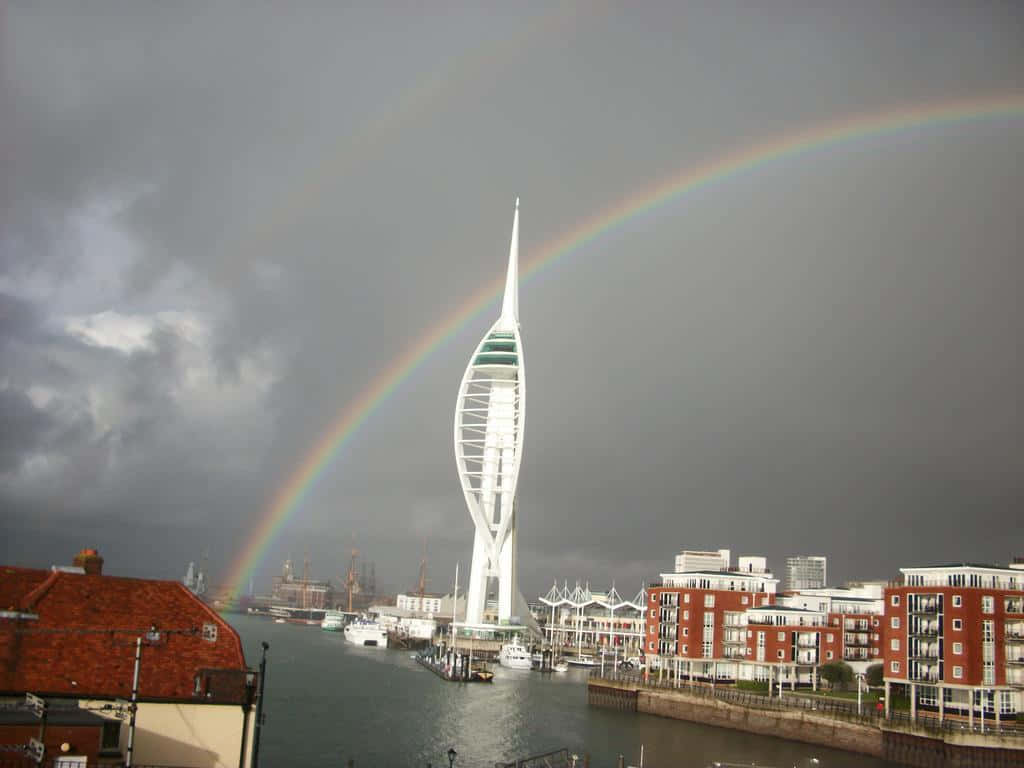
pixel 988 673
pixel 651 630
pixel 743 600
pixel 874 622
pixel 653 613
pixel 895 600
pixel 686 597
pixel 894 644
pixel 686 615
pixel 111 738
pixel 895 622
pixel 988 604
pixel 828 654
pixel 958 624
pixel 894 666
pixel 957 601
pixel 958 673
pixel 781 654
pixel 958 648
pixel 782 637
pixel 650 646
pixel 829 638
pixel 686 649
pixel 709 601
pixel 987 631
pixel 686 631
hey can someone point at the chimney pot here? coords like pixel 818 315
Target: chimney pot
pixel 90 561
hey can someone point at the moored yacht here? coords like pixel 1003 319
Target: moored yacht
pixel 366 632
pixel 514 656
pixel 583 660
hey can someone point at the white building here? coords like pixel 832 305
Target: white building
pixel 429 604
pixel 697 560
pixel 586 621
pixel 805 572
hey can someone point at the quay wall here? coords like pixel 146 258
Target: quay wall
pixel 904 744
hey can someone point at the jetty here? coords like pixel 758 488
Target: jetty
pixel 453 667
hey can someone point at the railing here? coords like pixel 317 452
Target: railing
pixel 560 758
pixel 843 709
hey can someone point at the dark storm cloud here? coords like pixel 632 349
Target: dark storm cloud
pixel 218 225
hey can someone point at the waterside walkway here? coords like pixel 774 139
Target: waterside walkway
pixel 925 743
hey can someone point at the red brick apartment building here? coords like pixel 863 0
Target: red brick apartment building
pixel 71 634
pixel 954 636
pixel 697 620
pixel 731 624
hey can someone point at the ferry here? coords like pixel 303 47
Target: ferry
pixel 334 621
pixel 295 615
pixel 366 632
pixel 514 656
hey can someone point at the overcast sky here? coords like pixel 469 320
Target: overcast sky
pixel 218 223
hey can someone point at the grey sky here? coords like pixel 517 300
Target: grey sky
pixel 218 224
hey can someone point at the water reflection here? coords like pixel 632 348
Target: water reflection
pixel 329 701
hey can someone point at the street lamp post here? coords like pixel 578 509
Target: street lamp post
pixel 860 679
pixel 451 756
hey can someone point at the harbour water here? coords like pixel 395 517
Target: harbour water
pixel 328 702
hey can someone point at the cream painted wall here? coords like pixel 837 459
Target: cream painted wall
pixel 187 735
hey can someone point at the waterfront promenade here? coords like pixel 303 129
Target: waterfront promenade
pixel 925 742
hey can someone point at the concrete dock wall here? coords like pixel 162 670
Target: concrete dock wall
pixel 911 746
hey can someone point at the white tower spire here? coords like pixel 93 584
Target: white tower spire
pixel 489 422
pixel 510 304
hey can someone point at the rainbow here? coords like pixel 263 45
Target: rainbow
pixel 354 414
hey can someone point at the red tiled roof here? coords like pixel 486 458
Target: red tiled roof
pixel 83 642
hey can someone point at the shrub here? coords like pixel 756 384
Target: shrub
pixel 760 686
pixel 836 672
pixel 874 675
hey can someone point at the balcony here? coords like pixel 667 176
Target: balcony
pixel 729 640
pixel 924 628
pixel 924 606
pixel 1014 605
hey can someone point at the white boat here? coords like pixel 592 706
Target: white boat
pixel 561 666
pixel 280 621
pixel 514 656
pixel 334 621
pixel 582 661
pixel 366 632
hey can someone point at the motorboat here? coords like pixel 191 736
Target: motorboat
pixel 514 656
pixel 367 633
pixel 583 660
pixel 561 666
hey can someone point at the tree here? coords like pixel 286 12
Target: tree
pixel 874 674
pixel 836 672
